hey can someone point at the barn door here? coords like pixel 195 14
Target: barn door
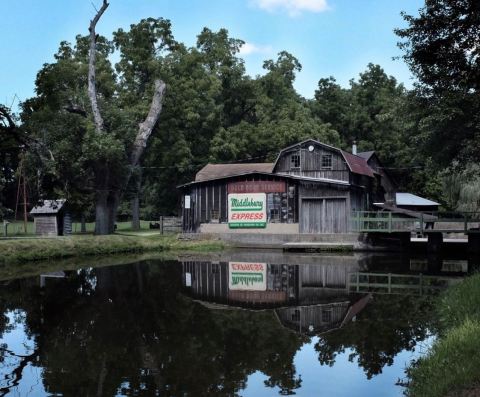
pixel 311 216
pixel 323 215
pixel 335 220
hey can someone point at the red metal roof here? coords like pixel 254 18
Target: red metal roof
pixel 357 164
pixel 216 171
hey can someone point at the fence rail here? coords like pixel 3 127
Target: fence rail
pixel 170 224
pixel 389 222
pixel 389 283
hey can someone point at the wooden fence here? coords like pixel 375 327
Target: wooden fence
pixel 170 224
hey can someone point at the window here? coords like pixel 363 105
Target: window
pixel 327 162
pixel 296 315
pixel 295 161
pixel 326 315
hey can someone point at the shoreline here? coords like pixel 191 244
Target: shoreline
pixel 37 249
pixel 450 368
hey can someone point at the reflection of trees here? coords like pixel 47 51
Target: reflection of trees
pixel 128 330
pixel 388 325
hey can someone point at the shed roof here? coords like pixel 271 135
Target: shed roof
pixel 366 155
pixel 411 199
pixel 49 207
pixel 357 164
pixel 216 171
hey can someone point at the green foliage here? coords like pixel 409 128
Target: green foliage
pixel 450 366
pixel 452 363
pixel 439 47
pixel 460 302
pixel 461 187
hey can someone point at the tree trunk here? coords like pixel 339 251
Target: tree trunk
pixel 136 200
pixel 136 212
pixel 102 213
pixel 106 211
pixel 83 225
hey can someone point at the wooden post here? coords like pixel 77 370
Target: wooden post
pixel 161 224
pixel 434 243
pixel 24 204
pixel 390 222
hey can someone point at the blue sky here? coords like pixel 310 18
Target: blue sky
pixel 329 37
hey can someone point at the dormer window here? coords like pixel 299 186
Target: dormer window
pixel 326 162
pixel 295 161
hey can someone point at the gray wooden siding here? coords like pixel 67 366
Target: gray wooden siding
pixel 324 208
pixel 46 225
pixel 358 200
pixel 209 203
pixel 324 215
pixel 311 163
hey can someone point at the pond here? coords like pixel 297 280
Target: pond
pixel 236 323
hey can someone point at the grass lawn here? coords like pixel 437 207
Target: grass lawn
pixel 17 228
pixel 452 367
pixel 29 249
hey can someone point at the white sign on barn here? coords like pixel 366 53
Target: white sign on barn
pixel 247 276
pixel 247 210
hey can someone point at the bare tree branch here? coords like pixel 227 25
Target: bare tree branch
pixel 92 89
pixel 75 109
pixel 145 129
pixel 17 374
pixel 5 115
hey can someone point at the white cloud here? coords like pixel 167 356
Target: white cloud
pixel 250 48
pixel 292 7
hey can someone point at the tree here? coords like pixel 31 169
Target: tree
pixel 277 117
pixel 108 194
pixel 441 49
pixel 91 115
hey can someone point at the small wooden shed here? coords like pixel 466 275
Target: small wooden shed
pixel 51 218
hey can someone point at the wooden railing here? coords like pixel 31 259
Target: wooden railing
pixel 377 221
pixel 389 222
pixel 389 283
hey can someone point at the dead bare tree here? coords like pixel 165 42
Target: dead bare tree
pixel 108 196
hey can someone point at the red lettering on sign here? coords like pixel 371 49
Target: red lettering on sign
pixel 257 187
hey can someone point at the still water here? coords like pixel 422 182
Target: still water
pixel 236 324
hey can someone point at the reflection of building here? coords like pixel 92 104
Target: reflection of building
pixel 321 317
pixel 308 297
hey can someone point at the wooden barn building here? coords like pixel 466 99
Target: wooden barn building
pixel 310 188
pixel 51 218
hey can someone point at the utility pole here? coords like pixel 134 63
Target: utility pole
pixel 23 192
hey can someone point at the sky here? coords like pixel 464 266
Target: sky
pixel 329 37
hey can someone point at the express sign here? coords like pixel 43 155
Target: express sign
pixel 247 210
pixel 247 276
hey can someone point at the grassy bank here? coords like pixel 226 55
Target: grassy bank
pixel 33 249
pixel 452 366
pixel 17 228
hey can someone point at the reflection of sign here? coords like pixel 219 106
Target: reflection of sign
pixel 257 187
pixel 247 210
pixel 247 276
